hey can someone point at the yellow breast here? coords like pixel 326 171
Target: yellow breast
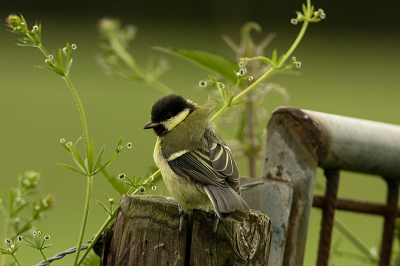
pixel 189 193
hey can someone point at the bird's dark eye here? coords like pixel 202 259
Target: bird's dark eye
pixel 169 115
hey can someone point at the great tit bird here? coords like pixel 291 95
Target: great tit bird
pixel 196 165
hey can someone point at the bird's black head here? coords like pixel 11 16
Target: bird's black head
pixel 166 109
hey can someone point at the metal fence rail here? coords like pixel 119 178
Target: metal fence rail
pixel 360 146
pixel 298 142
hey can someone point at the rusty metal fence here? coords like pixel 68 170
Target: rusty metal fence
pixel 330 202
pixel 298 142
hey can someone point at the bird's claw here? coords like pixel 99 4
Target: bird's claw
pixel 215 226
pixel 182 217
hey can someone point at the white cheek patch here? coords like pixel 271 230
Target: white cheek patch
pixel 174 121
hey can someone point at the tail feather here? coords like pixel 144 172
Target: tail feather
pixel 227 203
pixel 239 216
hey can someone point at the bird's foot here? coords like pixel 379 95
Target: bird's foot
pixel 215 226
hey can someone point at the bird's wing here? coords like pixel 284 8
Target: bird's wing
pixel 224 163
pixel 216 167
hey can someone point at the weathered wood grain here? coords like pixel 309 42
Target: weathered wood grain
pixel 146 232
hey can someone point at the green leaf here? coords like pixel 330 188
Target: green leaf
pixel 218 101
pixel 212 78
pixel 77 141
pixel 104 207
pixel 60 59
pixel 71 168
pixel 280 60
pixel 299 15
pixel 31 245
pixel 48 68
pixel 109 161
pixel 90 155
pixel 78 158
pixel 137 181
pixel 67 53
pixel 133 78
pixel 39 32
pixel 274 55
pixel 129 183
pixel 207 60
pixel 119 186
pixel 240 102
pixel 27 40
pixel 37 240
pixel 46 246
pixel 231 44
pixel 268 61
pixel 119 144
pixel 106 164
pixel 105 194
pixel 99 157
pixel 304 9
pixel 65 146
pixel 34 37
pixel 68 67
pixel 226 93
pixel 26 45
pixel 24 21
pixel 17 210
pixel 53 67
pixel 315 20
pixel 283 67
pixel 251 26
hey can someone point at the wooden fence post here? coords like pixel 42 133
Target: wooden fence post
pixel 146 232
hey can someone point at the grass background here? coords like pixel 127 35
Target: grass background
pixel 350 67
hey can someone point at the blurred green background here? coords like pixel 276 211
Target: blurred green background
pixel 350 67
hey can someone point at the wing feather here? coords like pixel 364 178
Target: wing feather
pixel 216 166
pixel 216 169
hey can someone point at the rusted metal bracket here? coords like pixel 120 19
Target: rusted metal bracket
pixel 355 206
pixel 390 220
pixel 328 215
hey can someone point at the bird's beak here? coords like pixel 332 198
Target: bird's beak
pixel 150 125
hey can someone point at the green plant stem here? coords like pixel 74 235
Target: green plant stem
pixel 44 257
pixel 41 48
pixel 299 36
pixel 271 70
pixel 353 239
pixel 286 56
pixel 86 140
pixel 220 111
pixel 23 228
pixel 295 43
pixel 134 66
pixel 131 191
pixel 98 235
pixel 134 191
pixel 226 104
pixel 15 259
pixel 6 225
pixel 85 217
pixel 82 114
pixel 77 100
